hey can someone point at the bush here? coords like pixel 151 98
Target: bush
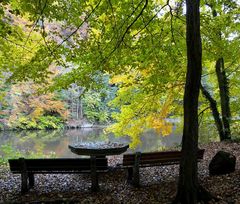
pixel 50 122
pixel 43 122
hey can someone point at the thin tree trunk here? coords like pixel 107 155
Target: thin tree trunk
pixel 188 187
pixel 223 89
pixel 77 106
pixel 215 113
pixel 81 92
pixel 224 97
pixel 81 105
pixel 72 107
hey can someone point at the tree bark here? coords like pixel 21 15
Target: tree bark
pixel 215 113
pixel 189 190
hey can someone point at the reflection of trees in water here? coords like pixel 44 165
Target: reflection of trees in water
pixel 87 135
pixel 150 141
pixel 58 140
pixel 34 140
pixel 50 140
pixel 60 147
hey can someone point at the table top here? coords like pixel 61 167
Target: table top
pixel 99 148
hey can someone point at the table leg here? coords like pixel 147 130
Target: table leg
pixel 94 176
pixel 101 157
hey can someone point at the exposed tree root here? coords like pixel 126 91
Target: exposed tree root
pixel 202 196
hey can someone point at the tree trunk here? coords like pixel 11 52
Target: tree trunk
pixel 224 97
pixel 81 108
pixel 189 190
pixel 77 107
pixel 215 113
pixel 223 89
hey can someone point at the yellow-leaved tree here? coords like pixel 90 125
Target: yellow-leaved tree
pixel 141 108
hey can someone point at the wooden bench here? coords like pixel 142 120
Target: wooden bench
pixel 134 161
pixel 28 167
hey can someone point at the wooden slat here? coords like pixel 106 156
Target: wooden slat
pixel 57 165
pixel 153 161
pixel 157 157
pixel 154 154
pixel 170 154
pixel 60 172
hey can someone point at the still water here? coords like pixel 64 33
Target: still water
pixel 57 141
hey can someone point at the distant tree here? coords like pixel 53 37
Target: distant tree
pixel 29 110
pixel 221 48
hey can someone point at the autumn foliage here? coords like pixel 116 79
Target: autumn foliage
pixel 31 110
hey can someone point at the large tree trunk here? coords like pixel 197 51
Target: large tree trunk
pixel 224 97
pixel 215 113
pixel 188 187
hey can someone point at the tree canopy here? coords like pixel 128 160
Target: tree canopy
pixel 140 39
pixel 141 45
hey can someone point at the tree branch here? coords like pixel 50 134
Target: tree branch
pixel 75 31
pixel 17 44
pixel 35 23
pixel 118 44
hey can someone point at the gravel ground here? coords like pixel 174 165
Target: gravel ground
pixel 158 184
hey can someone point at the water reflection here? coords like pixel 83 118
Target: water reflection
pixel 58 140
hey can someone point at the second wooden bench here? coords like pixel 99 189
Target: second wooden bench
pixel 134 161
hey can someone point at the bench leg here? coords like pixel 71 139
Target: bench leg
pixel 31 179
pixel 94 176
pixel 24 176
pixel 136 177
pixel 136 169
pixel 130 174
pixel 24 186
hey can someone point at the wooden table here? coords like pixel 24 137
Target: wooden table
pixel 95 150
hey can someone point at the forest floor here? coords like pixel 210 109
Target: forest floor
pixel 158 184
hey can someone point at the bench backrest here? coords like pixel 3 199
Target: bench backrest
pixel 59 164
pixel 155 158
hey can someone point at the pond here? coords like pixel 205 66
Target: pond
pixel 57 141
